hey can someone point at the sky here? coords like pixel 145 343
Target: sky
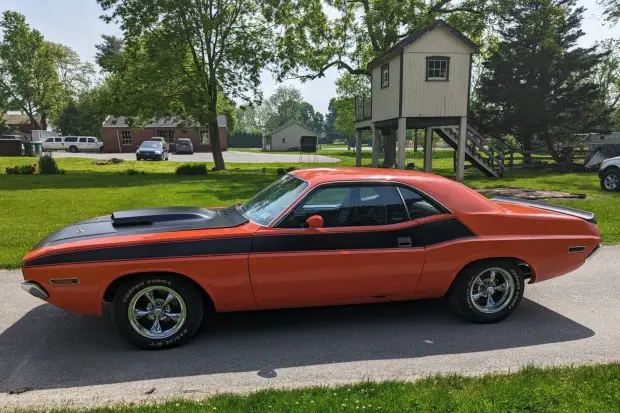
pixel 76 23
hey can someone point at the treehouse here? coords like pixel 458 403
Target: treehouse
pixel 424 82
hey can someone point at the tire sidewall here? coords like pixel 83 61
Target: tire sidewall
pixel 464 302
pixel 605 175
pixel 128 289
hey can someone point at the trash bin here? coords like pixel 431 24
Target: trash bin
pixel 33 148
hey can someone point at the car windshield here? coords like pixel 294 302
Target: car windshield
pixel 151 144
pixel 271 201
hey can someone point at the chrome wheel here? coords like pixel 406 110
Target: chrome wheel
pixel 157 312
pixel 492 290
pixel 611 182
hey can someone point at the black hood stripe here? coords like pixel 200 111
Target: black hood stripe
pixel 421 236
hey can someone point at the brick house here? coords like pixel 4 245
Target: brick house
pixel 19 122
pixel 118 136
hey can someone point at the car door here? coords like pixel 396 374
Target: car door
pixel 48 144
pixel 58 143
pixel 363 252
pixel 93 144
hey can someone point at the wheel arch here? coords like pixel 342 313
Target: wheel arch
pixel 528 270
pixel 111 289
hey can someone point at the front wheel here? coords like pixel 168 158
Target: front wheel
pixel 73 149
pixel 488 291
pixel 610 180
pixel 157 311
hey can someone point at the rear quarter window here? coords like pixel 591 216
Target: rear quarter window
pixel 419 205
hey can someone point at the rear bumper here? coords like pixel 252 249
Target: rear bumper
pixel 35 290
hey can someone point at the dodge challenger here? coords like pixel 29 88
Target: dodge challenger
pixel 314 237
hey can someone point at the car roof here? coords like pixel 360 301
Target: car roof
pixel 454 195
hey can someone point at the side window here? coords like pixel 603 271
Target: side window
pixel 49 140
pixel 57 139
pixel 83 140
pixel 418 205
pixel 92 140
pixel 350 206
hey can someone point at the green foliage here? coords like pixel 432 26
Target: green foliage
pixel 132 171
pixel 537 84
pixel 284 171
pixel 185 54
pixel 85 116
pixel 21 170
pixel 48 166
pixel 28 70
pixel 607 76
pixel 108 55
pixel 611 10
pixel 285 105
pixel 192 169
pixel 76 76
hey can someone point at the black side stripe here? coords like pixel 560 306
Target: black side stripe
pixel 424 235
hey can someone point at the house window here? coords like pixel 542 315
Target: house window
pixel 204 137
pixel 437 68
pixel 283 140
pixel 385 75
pixel 168 135
pixel 126 137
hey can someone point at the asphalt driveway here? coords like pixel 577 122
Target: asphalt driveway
pixel 70 359
pixel 229 156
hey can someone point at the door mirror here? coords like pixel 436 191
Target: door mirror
pixel 315 221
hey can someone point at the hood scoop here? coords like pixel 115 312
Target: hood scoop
pixel 150 216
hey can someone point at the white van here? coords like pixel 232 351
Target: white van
pixel 82 144
pixel 53 143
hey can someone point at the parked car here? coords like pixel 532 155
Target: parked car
pixel 53 143
pixel 82 144
pixel 153 150
pixel 314 237
pixel 184 145
pixel 609 173
pixel 162 140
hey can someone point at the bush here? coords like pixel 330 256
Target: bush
pixel 132 171
pixel 192 169
pixel 21 170
pixel 284 171
pixel 48 165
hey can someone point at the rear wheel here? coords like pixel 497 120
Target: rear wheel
pixel 73 148
pixel 157 311
pixel 487 291
pixel 610 180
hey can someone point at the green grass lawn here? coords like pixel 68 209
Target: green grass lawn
pixel 580 389
pixel 33 206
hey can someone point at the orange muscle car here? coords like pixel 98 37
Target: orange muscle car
pixel 314 237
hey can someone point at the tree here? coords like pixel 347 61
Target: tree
pixel 214 47
pixel 607 76
pixel 83 117
pixel 75 75
pixel 28 71
pixel 108 54
pixel 611 10
pixel 537 85
pixel 346 34
pixel 251 119
pixel 307 116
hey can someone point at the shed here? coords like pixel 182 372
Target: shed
pixel 424 82
pixel 287 137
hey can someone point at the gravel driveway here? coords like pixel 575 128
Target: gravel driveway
pixel 70 359
pixel 229 156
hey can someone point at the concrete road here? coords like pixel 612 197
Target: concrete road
pixel 229 156
pixel 68 359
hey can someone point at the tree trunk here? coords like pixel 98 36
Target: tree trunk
pixel 415 141
pixel 527 150
pixel 214 135
pixel 42 125
pixel 389 158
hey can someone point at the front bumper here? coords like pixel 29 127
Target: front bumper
pixel 35 290
pixel 148 156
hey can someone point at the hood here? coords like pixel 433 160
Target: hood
pixel 609 160
pixel 146 221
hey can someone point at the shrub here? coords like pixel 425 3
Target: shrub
pixel 48 165
pixel 284 171
pixel 192 169
pixel 21 170
pixel 132 171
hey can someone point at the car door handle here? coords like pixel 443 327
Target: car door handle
pixel 404 242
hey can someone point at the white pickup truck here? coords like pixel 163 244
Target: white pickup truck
pixel 610 174
pixel 73 144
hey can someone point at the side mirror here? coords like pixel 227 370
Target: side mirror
pixel 315 221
